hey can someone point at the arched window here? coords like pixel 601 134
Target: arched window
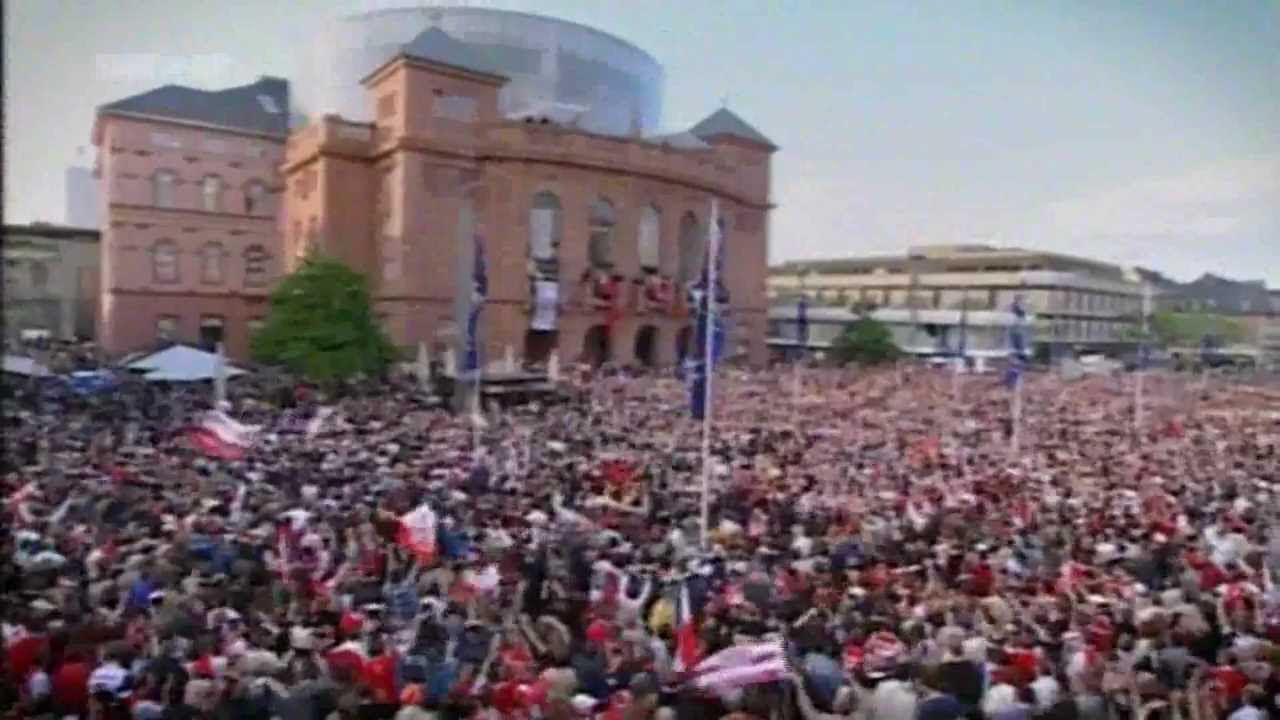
pixel 39 275
pixel 211 193
pixel 164 186
pixel 164 262
pixel 255 198
pixel 255 265
pixel 648 242
pixel 212 259
pixel 544 228
pixel 691 243
pixel 600 227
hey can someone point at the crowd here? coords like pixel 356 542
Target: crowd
pixel 875 549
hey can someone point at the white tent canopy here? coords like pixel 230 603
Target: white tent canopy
pixel 19 365
pixel 180 363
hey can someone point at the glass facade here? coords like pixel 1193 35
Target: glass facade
pixel 551 64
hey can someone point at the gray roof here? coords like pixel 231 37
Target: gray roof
pixel 248 107
pixel 438 46
pixel 680 140
pixel 724 122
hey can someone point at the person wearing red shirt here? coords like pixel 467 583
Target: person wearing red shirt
pixel 70 685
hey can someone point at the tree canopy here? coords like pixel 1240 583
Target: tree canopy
pixel 321 325
pixel 868 342
pixel 1190 329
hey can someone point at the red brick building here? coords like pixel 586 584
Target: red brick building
pixel 589 239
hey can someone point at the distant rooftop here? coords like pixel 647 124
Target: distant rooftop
pixel 724 122
pixel 261 107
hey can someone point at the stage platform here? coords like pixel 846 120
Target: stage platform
pixel 515 388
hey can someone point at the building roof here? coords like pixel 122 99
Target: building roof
pixel 724 122
pixel 261 107
pixel 49 230
pixel 926 259
pixel 437 46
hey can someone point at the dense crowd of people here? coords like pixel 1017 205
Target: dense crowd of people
pixel 874 527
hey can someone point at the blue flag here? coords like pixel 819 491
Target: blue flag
pixel 802 320
pixel 1017 343
pixel 479 291
pixel 708 297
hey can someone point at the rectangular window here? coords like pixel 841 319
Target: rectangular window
pixel 165 140
pixel 210 331
pixel 166 327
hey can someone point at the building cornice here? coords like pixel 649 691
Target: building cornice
pixel 180 122
pixel 129 212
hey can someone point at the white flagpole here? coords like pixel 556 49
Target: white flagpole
pixel 713 242
pixel 219 378
pixel 1140 370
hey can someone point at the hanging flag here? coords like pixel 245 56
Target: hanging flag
pixel 802 321
pixel 689 649
pixel 1018 354
pixel 417 532
pixel 219 436
pixel 479 291
pixel 705 295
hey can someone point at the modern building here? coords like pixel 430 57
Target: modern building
pixel 938 332
pixel 1076 302
pixel 429 133
pixel 50 282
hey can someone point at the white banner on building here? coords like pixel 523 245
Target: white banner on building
pixel 546 299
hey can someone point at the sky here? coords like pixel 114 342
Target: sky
pixel 1136 131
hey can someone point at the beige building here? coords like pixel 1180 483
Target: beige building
pixel 50 281
pixel 1075 301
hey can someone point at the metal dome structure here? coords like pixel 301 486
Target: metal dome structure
pixel 557 69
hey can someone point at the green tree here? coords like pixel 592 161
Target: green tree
pixel 321 325
pixel 867 342
pixel 1188 329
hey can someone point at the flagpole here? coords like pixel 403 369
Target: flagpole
pixel 707 369
pixel 1140 369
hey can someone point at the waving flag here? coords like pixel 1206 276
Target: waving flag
pixel 740 666
pixel 417 532
pixel 479 291
pixel 219 436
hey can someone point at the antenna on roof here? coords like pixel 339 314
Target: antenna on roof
pixel 724 101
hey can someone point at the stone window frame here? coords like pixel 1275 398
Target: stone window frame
pixel 161 272
pixel 213 263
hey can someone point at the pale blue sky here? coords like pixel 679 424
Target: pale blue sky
pixel 1132 130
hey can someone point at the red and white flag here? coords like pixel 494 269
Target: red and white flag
pixel 219 436
pixel 741 665
pixel 688 645
pixel 418 533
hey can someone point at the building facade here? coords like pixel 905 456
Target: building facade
pixel 190 208
pixel 591 237
pixel 50 281
pixel 1077 302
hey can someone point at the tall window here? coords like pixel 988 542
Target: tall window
pixel 313 235
pixel 255 198
pixel 600 226
pixel 255 266
pixel 164 262
pixel 544 228
pixel 166 327
pixel 210 331
pixel 39 275
pixel 649 245
pixel 212 258
pixel 164 188
pixel 691 243
pixel 211 193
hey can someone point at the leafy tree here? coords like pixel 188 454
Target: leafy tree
pixel 1189 329
pixel 321 325
pixel 867 341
